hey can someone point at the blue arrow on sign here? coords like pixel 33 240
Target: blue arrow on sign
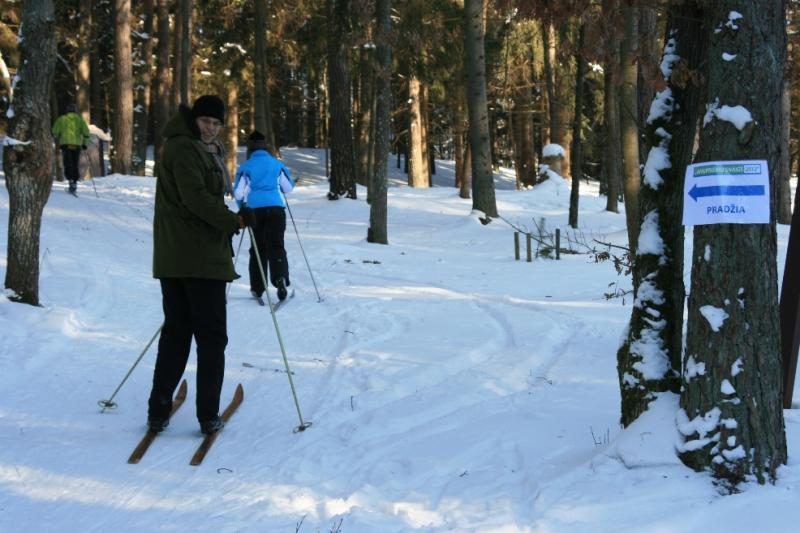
pixel 726 190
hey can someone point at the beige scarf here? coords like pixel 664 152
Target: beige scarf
pixel 217 152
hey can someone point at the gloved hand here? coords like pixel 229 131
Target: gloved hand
pixel 248 217
pixel 83 147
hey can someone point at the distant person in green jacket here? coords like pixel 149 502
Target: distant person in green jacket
pixel 72 135
pixel 192 259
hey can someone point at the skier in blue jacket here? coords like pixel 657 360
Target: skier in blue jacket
pixel 260 184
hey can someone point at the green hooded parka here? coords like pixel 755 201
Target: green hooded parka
pixel 192 225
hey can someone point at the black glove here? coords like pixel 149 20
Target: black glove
pixel 83 147
pixel 248 217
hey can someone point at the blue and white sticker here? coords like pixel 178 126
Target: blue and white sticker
pixel 726 192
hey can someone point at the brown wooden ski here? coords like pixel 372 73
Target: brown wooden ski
pixel 150 436
pixel 209 439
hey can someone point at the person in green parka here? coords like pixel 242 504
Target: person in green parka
pixel 192 259
pixel 72 136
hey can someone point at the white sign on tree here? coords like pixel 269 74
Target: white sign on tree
pixel 726 192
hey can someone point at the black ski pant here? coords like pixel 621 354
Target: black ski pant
pixel 192 308
pixel 71 157
pixel 269 229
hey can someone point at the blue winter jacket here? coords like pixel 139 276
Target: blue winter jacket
pixel 260 181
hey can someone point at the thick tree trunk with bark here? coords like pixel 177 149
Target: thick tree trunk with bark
pixel 377 232
pixel 418 167
pixel 649 360
pixel 343 164
pixel 731 405
pixel 647 64
pixel 161 107
pixel 483 197
pixel 630 129
pixel 28 166
pixel 122 155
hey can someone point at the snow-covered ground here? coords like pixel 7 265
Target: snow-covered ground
pixel 451 388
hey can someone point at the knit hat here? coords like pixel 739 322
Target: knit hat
pixel 256 141
pixel 209 106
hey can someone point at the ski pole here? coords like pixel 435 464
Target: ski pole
pixel 303 425
pixel 109 404
pixel 91 176
pixel 291 216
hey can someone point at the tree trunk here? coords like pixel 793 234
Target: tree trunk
pixel 144 81
pixel 522 137
pixel 383 100
pixel 177 71
pixel 28 167
pixel 647 63
pixel 465 189
pixel 365 116
pixel 461 146
pixel 231 131
pixel 612 153
pixel 558 89
pixel 185 63
pixel 548 60
pixel 649 360
pixel 263 113
pixel 483 198
pixel 161 107
pixel 83 69
pixel 559 129
pixel 577 150
pixel 731 405
pixel 418 168
pixel 122 155
pixel 630 129
pixel 343 165
pixel 784 174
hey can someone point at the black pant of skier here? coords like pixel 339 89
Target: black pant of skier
pixel 193 307
pixel 71 157
pixel 269 228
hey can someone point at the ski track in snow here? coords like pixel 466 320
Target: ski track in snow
pixel 359 373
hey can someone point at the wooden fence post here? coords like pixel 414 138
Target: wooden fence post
pixel 528 246
pixel 558 243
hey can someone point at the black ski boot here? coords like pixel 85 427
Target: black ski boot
pixel 157 425
pixel 208 427
pixel 282 292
